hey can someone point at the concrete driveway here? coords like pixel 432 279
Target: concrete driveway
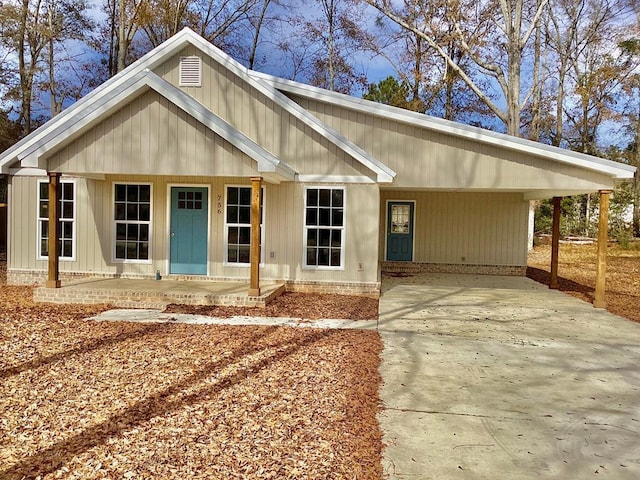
pixel 501 378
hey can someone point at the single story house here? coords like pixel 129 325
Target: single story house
pixel 189 165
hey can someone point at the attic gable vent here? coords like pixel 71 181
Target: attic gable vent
pixel 190 71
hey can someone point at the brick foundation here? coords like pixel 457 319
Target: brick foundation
pixel 150 298
pixel 342 288
pixel 417 267
pixel 39 277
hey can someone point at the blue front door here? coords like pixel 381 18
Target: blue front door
pixel 400 231
pixel 189 227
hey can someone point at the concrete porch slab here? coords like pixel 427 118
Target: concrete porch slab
pixel 157 294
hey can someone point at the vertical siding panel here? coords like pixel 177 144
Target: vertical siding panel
pixel 485 228
pixel 145 130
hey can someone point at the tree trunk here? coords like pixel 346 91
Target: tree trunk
pixel 330 11
pixel 636 183
pixel 56 105
pixel 417 71
pixel 256 34
pixel 534 133
pixel 25 83
pixel 123 43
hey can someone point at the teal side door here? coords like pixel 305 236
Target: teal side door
pixel 400 231
pixel 189 230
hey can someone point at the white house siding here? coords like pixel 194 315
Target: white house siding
pixel 284 213
pixel 464 228
pixel 151 136
pixel 425 158
pixel 262 120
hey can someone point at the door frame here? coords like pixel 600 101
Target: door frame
pixel 167 266
pixel 386 226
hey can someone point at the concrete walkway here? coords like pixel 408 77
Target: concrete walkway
pixel 501 378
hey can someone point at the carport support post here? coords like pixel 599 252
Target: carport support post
pixel 555 242
pixel 601 267
pixel 53 274
pixel 254 284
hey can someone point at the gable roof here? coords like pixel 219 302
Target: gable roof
pixel 614 169
pixel 39 140
pixel 103 106
pixel 137 77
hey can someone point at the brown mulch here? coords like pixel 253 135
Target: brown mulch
pixel 121 400
pixel 294 305
pixel 577 274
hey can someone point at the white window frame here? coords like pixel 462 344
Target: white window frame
pixel 114 223
pixel 226 261
pixel 40 219
pixel 343 228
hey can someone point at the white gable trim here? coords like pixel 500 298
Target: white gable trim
pixel 104 106
pixel 614 169
pixel 384 173
pixel 160 54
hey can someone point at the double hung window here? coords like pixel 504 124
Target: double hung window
pixel 67 219
pixel 324 227
pixel 238 224
pixel 132 217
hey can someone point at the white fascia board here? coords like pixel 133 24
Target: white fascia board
pixel 615 169
pixel 267 162
pixel 27 172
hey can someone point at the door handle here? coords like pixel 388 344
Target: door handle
pixel 173 234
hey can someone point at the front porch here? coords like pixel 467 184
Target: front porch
pixel 146 293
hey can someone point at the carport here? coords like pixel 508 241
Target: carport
pixel 500 377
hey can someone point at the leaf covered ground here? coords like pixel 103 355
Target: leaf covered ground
pixel 294 305
pixel 577 275
pixel 88 400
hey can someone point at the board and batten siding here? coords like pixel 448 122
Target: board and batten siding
pixel 150 135
pixel 465 228
pixel 262 120
pixel 284 229
pixel 425 158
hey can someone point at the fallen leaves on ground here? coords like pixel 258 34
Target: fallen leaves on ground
pixel 577 275
pixel 81 399
pixel 294 305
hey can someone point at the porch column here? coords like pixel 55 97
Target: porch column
pixel 555 242
pixel 254 284
pixel 601 267
pixel 53 275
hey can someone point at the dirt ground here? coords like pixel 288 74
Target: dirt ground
pixel 577 274
pixel 89 400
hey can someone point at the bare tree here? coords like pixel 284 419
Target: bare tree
pixel 64 20
pixel 495 30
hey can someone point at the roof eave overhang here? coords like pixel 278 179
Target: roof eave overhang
pixel 618 171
